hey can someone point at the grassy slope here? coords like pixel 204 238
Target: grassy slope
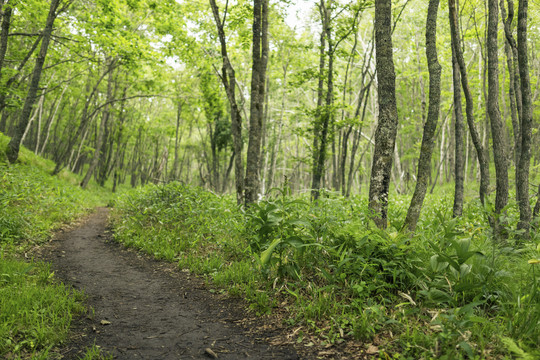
pixel 35 309
pixel 447 292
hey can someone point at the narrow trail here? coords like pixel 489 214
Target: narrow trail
pixel 145 309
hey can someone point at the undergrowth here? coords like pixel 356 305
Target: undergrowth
pixel 448 291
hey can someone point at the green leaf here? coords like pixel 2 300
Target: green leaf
pixel 266 255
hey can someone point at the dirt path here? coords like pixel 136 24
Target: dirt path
pixel 144 309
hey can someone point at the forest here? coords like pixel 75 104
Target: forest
pixel 367 172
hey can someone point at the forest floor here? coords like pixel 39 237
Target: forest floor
pixel 140 308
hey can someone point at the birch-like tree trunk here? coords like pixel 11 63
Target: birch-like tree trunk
pixel 459 168
pixel 13 147
pixel 524 223
pixel 101 134
pixel 228 78
pixel 385 135
pixel 469 108
pixel 258 78
pixel 428 139
pixel 497 127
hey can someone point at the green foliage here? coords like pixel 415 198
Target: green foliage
pixel 35 203
pixel 445 292
pixel 36 312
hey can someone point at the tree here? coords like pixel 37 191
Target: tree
pixel 459 166
pixel 258 78
pixel 497 127
pixel 385 135
pixel 428 140
pixel 105 116
pixel 522 180
pixel 12 150
pixel 228 78
pixel 469 107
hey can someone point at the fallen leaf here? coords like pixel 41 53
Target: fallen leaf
pixel 210 353
pixel 105 322
pixel 372 349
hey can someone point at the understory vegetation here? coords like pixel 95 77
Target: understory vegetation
pixel 448 291
pixel 35 309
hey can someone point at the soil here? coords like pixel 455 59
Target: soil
pixel 141 308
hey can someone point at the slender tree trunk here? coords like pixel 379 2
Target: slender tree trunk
pixel 228 79
pixel 276 144
pixel 86 118
pixel 12 150
pixel 258 77
pixel 33 117
pixel 319 112
pixel 536 211
pixel 497 127
pixel 4 34
pixel 513 72
pixel 459 168
pixel 428 139
pixel 524 223
pixel 101 134
pixel 385 136
pixel 327 113
pixel 177 140
pixel 53 116
pixel 469 108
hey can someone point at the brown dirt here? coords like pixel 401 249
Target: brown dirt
pixel 146 309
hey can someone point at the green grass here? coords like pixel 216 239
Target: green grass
pixel 450 291
pixel 35 309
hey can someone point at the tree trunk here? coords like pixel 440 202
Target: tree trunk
pixel 86 118
pixel 537 206
pixel 511 59
pixel 101 134
pixel 428 139
pixel 316 174
pixel 12 150
pixel 177 140
pixel 469 109
pixel 459 168
pixel 258 78
pixel 228 79
pixel 497 127
pixel 276 143
pixel 51 120
pixel 524 223
pixel 4 34
pixel 385 135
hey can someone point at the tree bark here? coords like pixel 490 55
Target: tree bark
pixel 514 92
pixel 177 139
pixel 537 206
pixel 469 108
pixel 13 147
pixel 51 120
pixel 316 173
pixel 428 139
pixel 524 223
pixel 459 168
pixel 6 22
pixel 385 135
pixel 258 78
pixel 228 79
pixel 497 127
pixel 101 134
